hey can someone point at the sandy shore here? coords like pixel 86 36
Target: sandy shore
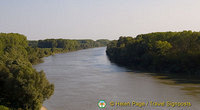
pixel 43 108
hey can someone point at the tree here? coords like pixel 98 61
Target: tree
pixel 21 86
pixel 162 47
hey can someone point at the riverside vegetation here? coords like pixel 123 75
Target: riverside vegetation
pixel 21 86
pixel 169 52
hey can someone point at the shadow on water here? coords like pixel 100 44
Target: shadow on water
pixel 191 84
pixel 187 82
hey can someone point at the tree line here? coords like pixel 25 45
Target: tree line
pixel 68 44
pixel 21 86
pixel 171 52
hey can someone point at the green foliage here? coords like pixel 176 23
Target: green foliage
pixel 3 108
pixel 33 43
pixel 162 47
pixel 102 42
pixel 21 86
pixel 159 52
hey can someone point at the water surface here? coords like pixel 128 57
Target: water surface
pixel 84 77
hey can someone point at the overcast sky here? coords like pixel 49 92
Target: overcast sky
pixel 96 19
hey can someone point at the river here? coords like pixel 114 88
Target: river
pixel 84 77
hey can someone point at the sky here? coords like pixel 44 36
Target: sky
pixel 97 19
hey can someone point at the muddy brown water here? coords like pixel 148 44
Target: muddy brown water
pixel 84 77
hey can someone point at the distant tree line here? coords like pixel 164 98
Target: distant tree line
pixel 42 48
pixel 68 44
pixel 172 52
pixel 21 86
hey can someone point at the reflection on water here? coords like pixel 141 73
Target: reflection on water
pixel 190 84
pixel 84 77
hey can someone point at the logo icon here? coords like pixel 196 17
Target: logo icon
pixel 102 104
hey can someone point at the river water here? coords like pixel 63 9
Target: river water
pixel 84 77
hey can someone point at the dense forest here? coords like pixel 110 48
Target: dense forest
pixel 168 52
pixel 21 86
